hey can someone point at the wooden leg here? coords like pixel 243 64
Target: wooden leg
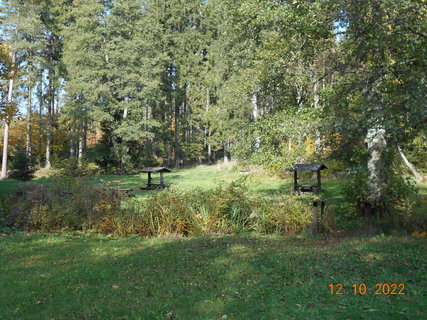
pixel 161 180
pixel 149 180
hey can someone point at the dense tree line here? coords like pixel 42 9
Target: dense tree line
pixel 190 81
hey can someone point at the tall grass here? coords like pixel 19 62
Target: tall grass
pixel 223 210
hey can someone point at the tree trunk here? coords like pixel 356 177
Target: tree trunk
pixel 227 155
pixel 3 175
pixel 209 150
pixel 80 154
pixel 84 136
pixel 72 144
pixel 39 136
pixel 28 148
pixel 377 144
pixel 50 110
pixel 208 131
pixel 125 111
pixel 255 115
pixel 316 99
pixel 176 137
pixel 49 130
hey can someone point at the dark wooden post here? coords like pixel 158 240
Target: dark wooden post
pixel 161 179
pixel 149 179
pixel 319 184
pixel 295 181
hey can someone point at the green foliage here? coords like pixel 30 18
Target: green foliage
pixel 416 152
pixel 21 165
pixel 70 167
pixel 397 207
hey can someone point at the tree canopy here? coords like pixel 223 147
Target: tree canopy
pixel 129 83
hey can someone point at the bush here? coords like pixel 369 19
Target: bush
pixel 65 204
pixel 20 165
pixel 70 167
pixel 396 211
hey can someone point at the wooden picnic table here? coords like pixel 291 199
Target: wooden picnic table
pixel 150 184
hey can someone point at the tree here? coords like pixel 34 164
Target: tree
pixel 380 87
pixel 8 109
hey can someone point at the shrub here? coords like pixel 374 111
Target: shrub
pixel 396 212
pixel 70 167
pixel 20 165
pixel 65 204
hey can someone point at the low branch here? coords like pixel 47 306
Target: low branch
pixel 417 176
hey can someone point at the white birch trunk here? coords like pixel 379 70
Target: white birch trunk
pixel 51 106
pixel 316 98
pixel 255 113
pixel 29 111
pixel 3 175
pixel 125 111
pixel 80 154
pixel 208 131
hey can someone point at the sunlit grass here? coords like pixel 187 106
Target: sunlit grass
pixel 202 177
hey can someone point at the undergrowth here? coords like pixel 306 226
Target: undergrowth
pixel 72 205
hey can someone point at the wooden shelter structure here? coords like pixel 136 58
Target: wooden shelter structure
pixel 300 188
pixel 150 184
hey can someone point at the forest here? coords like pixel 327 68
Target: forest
pixel 229 96
pixel 115 86
pixel 123 84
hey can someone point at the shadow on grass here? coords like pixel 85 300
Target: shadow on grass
pixel 245 277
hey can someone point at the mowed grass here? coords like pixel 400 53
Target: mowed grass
pixel 245 277
pixel 202 177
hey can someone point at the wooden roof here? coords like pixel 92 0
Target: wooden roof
pixel 307 167
pixel 155 169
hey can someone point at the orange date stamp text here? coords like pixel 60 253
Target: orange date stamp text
pixel 363 289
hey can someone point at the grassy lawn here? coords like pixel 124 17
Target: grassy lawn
pixel 245 277
pixel 204 177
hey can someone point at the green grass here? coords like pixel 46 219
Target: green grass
pixel 204 177
pixel 8 186
pixel 246 277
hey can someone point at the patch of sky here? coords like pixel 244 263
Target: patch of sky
pixel 340 28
